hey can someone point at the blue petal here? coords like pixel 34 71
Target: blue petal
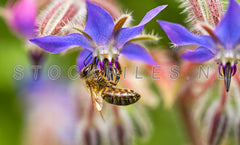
pixel 228 30
pixel 125 34
pixel 181 36
pixel 136 52
pixel 84 58
pixel 55 44
pixel 99 24
pixel 200 54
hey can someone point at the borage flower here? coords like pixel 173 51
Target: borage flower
pixel 21 17
pixel 221 44
pixel 103 39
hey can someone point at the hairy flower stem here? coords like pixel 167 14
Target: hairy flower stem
pixel 197 10
pixel 219 2
pixel 184 103
pixel 117 114
pixel 222 101
pixel 119 125
pixel 192 130
pixel 187 98
pixel 91 133
pixel 206 85
pixel 237 78
pixel 215 9
pixel 218 122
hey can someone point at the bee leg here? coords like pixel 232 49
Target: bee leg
pixel 113 83
pixel 117 76
pixel 111 73
pixel 118 66
pixel 95 62
pixel 107 69
pixel 93 65
pixel 117 72
pixel 87 59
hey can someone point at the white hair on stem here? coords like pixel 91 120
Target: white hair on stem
pixel 59 13
pixel 207 11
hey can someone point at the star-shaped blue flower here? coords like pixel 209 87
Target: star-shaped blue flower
pixel 100 39
pixel 222 43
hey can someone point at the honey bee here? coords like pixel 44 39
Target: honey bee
pixel 103 89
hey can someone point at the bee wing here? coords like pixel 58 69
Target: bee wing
pixel 97 100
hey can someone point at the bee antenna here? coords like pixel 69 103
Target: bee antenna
pixel 86 61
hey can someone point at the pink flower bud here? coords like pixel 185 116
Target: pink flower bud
pixel 21 17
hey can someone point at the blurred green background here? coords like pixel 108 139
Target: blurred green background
pixel 168 129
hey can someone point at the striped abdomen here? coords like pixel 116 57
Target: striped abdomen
pixel 118 96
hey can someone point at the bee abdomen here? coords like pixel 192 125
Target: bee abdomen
pixel 120 96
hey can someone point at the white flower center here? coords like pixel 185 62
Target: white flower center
pixel 227 55
pixel 110 52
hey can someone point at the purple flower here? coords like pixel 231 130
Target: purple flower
pixel 101 38
pixel 50 112
pixel 221 44
pixel 21 17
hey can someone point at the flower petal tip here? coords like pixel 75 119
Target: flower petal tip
pixel 125 34
pixel 181 36
pixel 34 40
pixel 163 6
pixel 160 8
